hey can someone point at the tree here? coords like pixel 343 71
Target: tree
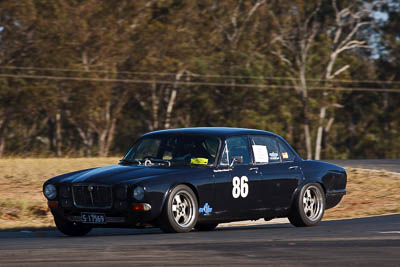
pixel 76 74
pixel 298 40
pixel 90 36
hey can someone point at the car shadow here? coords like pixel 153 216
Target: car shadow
pixel 327 226
pixel 52 232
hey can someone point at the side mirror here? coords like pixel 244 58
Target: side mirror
pixel 236 159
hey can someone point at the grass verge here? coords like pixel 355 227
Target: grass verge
pixel 22 203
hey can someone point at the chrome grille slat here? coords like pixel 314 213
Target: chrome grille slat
pixel 99 197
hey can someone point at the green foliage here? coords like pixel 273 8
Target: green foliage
pixel 92 54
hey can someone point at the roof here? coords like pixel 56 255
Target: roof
pixel 215 131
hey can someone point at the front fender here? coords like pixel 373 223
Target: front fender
pixel 172 186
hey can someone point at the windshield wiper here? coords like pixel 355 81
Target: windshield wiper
pixel 154 160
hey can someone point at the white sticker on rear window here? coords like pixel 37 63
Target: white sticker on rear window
pixel 260 154
pixel 273 156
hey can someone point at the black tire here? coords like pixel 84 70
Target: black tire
pixel 179 216
pixel 206 227
pixel 71 229
pixel 308 206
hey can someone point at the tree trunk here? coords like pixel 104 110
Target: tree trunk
pixel 102 130
pixel 3 134
pixel 306 127
pixel 155 106
pixel 110 136
pixel 307 136
pixel 106 131
pixel 320 131
pixel 171 101
pixel 306 122
pixel 101 141
pixel 170 106
pixel 87 140
pixel 386 127
pixel 58 135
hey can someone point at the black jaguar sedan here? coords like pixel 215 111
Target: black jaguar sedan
pixel 182 179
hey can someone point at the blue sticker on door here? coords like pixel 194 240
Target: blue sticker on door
pixel 206 209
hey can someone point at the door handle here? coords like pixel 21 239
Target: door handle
pixel 293 167
pixel 253 169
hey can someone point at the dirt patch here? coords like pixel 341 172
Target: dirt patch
pixel 22 203
pixel 369 192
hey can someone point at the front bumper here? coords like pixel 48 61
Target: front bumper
pixel 333 197
pixel 122 220
pixel 114 217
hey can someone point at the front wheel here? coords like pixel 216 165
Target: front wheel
pixel 308 206
pixel 70 228
pixel 180 211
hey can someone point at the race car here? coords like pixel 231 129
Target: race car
pixel 180 179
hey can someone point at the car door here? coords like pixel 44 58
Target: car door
pixel 279 173
pixel 237 195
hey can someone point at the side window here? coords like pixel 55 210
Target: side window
pixel 265 149
pixel 236 147
pixel 224 158
pixel 211 145
pixel 286 153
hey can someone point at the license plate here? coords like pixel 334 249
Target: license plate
pixel 87 217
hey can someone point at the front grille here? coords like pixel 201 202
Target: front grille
pixel 92 196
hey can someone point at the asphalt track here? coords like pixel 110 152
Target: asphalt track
pixel 373 241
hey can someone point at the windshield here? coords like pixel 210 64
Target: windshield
pixel 175 149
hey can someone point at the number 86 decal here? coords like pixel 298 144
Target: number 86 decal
pixel 240 187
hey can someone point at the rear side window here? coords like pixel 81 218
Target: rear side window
pixel 286 153
pixel 265 149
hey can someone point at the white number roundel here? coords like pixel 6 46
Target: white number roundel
pixel 240 187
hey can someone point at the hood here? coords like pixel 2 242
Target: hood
pixel 115 174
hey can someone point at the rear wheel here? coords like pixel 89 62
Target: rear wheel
pixel 70 228
pixel 308 207
pixel 180 211
pixel 206 227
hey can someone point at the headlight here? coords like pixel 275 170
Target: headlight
pixel 50 191
pixel 138 193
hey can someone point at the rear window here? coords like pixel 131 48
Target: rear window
pixel 286 152
pixel 265 149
